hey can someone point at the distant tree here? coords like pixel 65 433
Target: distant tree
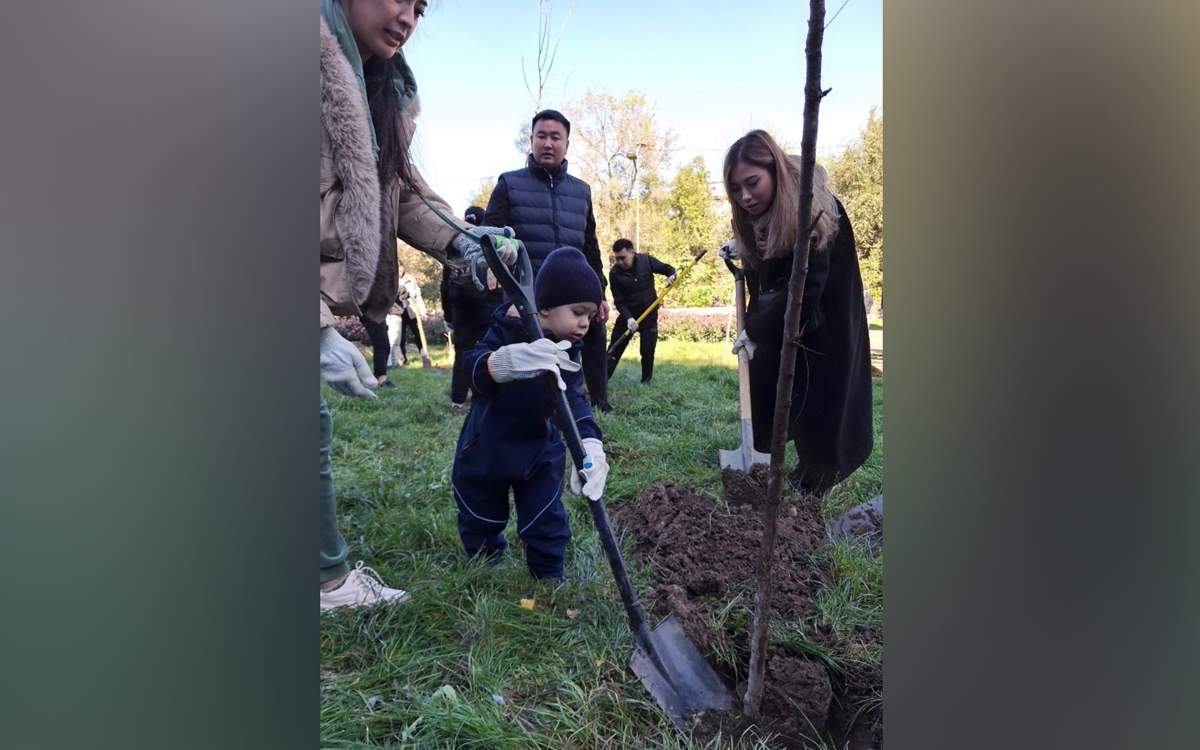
pixel 618 147
pixel 483 193
pixel 693 222
pixel 856 175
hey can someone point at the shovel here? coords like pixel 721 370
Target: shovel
pixel 745 457
pixel 667 663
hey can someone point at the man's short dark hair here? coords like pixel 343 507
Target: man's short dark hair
pixel 473 215
pixel 551 114
pixel 622 244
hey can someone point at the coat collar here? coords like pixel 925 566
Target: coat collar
pixel 334 22
pixel 543 174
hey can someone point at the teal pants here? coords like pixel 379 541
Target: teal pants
pixel 333 546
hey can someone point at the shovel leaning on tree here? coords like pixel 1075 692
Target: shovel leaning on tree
pixel 667 663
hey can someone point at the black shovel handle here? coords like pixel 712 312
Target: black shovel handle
pixel 520 292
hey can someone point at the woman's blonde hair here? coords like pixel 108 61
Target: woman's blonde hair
pixel 778 230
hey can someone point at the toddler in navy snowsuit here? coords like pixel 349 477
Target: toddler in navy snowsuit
pixel 509 439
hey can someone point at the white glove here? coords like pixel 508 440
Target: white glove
pixel 344 367
pixel 522 361
pixel 743 342
pixel 631 324
pixel 671 278
pixel 595 471
pixel 730 251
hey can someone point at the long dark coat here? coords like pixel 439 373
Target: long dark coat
pixel 831 393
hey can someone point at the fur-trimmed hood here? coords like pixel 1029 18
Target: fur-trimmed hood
pixel 346 124
pixel 361 219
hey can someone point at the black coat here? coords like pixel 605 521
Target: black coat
pixel 633 290
pixel 831 393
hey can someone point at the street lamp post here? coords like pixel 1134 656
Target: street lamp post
pixel 637 197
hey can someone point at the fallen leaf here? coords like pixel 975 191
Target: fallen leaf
pixel 446 691
pixel 527 604
pixel 572 614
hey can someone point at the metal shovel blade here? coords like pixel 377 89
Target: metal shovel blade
pixel 742 459
pixel 689 684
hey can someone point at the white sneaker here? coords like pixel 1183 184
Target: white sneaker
pixel 362 588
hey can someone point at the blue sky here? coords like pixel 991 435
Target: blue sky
pixel 711 71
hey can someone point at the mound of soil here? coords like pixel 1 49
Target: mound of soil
pixel 702 557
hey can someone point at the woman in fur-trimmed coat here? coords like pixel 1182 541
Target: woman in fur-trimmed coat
pixel 371 194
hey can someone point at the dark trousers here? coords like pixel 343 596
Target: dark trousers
pixel 482 499
pixel 407 325
pixel 380 346
pixel 647 334
pixel 466 335
pixel 595 367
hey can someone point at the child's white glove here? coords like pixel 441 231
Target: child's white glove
pixel 595 469
pixel 343 366
pixel 522 361
pixel 631 324
pixel 743 342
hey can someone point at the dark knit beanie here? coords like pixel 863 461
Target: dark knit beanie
pixel 564 279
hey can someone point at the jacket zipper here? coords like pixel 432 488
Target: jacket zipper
pixel 553 206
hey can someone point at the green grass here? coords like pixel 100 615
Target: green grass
pixel 553 677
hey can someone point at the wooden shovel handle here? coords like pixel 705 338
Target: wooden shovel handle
pixel 739 302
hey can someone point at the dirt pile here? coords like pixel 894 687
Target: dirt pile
pixel 702 558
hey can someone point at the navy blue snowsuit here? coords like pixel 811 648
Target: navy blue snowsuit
pixel 509 440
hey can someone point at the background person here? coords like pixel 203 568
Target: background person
pixel 549 209
pixel 471 310
pixel 631 280
pixel 402 321
pixel 830 422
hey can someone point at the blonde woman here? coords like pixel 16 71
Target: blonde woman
pixel 830 422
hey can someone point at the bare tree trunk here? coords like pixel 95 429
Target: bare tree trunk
pixel 787 367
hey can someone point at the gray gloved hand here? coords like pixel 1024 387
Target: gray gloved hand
pixel 470 250
pixel 631 324
pixel 595 471
pixel 344 367
pixel 730 250
pixel 671 278
pixel 743 342
pixel 522 361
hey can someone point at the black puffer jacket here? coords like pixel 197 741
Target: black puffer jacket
pixel 633 290
pixel 548 209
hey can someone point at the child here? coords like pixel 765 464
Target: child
pixel 509 439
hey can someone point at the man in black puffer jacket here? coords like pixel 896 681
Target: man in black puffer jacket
pixel 548 209
pixel 632 282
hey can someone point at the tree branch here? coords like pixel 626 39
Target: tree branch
pixel 787 367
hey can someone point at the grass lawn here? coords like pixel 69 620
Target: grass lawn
pixel 464 665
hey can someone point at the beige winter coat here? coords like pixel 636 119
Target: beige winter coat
pixel 358 230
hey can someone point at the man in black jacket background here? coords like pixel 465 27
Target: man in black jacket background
pixel 549 209
pixel 468 311
pixel 632 282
